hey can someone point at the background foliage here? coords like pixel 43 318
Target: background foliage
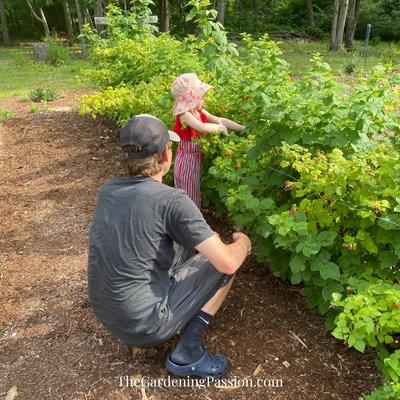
pixel 253 16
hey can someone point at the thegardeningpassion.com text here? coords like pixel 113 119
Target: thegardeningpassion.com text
pixel 170 382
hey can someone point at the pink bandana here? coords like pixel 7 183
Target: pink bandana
pixel 188 90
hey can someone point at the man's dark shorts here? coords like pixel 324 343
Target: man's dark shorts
pixel 192 284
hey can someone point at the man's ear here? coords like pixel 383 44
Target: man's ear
pixel 165 155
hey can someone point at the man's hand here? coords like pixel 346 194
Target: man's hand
pixel 226 258
pixel 240 236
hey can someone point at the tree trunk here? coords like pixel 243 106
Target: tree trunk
pixel 334 23
pixel 351 23
pixel 165 14
pixel 221 11
pixel 41 51
pixel 310 12
pixel 42 19
pixel 80 23
pixel 255 16
pixel 68 23
pixel 99 12
pixel 88 18
pixel 338 23
pixel 344 4
pixel 44 22
pixel 4 27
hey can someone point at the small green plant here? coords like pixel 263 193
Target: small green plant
pixel 42 94
pixel 34 109
pixel 58 54
pixel 5 115
pixel 350 67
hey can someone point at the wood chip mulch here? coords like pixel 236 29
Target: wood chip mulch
pixel 51 346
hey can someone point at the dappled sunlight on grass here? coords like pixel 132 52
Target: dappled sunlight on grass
pixel 299 54
pixel 20 74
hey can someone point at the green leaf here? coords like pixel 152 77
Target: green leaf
pixel 317 263
pixel 359 345
pixel 297 264
pixel 264 230
pixel 274 219
pixel 308 247
pixel 326 238
pixel 370 246
pixel 390 222
pixel 330 289
pixel 330 271
pixel 296 278
pixel 336 297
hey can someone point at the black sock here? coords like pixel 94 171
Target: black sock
pixel 188 349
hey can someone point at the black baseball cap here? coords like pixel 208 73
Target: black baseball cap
pixel 148 134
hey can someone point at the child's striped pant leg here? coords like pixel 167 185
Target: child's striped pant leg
pixel 187 170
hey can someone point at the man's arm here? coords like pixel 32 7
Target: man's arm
pixel 226 258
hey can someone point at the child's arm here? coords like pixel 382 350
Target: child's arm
pixel 204 127
pixel 224 121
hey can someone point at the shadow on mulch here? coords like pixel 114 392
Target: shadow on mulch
pixel 53 348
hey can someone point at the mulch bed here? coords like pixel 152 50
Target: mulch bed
pixel 51 346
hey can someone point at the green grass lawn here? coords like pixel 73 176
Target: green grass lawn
pixel 20 74
pixel 299 53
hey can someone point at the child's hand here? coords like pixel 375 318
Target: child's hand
pixel 222 129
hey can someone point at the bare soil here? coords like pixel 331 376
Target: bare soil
pixel 51 347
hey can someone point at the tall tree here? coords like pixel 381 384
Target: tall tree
pixel 165 15
pixel 338 23
pixel 88 18
pixel 351 23
pixel 42 19
pixel 221 11
pixel 68 22
pixel 4 26
pixel 98 12
pixel 80 23
pixel 310 12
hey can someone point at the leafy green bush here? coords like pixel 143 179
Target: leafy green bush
pixel 370 317
pixel 327 216
pixel 42 94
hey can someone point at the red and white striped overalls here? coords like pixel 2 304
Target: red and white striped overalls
pixel 188 160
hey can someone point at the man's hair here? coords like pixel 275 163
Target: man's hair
pixel 145 166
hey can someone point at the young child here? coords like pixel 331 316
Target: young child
pixel 191 122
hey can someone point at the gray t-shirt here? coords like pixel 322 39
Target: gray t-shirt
pixel 131 248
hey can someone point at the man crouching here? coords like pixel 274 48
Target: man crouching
pixel 143 284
